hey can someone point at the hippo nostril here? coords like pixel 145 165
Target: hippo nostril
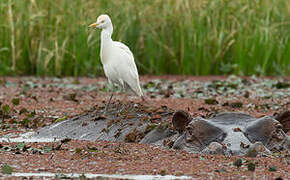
pixel 278 136
pixel 189 132
pixel 279 126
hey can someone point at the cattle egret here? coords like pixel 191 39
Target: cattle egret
pixel 117 59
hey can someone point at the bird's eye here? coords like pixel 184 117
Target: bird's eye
pixel 103 21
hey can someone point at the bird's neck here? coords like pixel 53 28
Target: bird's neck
pixel 106 43
pixel 106 36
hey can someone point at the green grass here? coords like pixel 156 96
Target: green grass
pixel 196 37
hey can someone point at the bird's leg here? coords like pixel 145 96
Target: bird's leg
pixel 107 105
pixel 109 101
pixel 143 99
pixel 124 100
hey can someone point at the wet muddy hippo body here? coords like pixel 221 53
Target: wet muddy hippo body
pixel 228 133
pixel 232 134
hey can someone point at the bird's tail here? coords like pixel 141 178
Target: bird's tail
pixel 135 87
pixel 138 91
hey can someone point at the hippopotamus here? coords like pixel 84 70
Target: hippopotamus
pixel 228 133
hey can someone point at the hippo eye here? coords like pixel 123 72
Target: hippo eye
pixel 189 132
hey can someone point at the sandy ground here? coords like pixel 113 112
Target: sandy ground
pixel 43 101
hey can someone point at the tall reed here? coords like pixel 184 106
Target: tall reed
pixel 197 37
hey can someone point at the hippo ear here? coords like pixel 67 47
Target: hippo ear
pixel 266 130
pixel 284 119
pixel 180 120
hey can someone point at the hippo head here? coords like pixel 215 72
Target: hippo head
pixel 228 133
pixel 198 135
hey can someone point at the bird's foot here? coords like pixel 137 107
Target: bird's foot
pixel 122 107
pixel 106 108
pixel 143 98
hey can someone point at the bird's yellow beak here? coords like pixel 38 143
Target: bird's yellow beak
pixel 93 25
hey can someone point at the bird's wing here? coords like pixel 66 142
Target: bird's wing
pixel 131 69
pixel 130 62
pixel 123 47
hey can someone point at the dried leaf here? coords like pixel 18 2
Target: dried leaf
pixel 237 130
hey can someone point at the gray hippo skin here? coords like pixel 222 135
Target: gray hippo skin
pixel 233 134
pixel 227 133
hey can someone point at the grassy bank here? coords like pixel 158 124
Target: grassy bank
pixel 198 37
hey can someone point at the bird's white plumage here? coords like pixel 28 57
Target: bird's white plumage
pixel 117 59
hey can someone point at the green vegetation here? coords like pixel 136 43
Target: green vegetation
pixel 197 37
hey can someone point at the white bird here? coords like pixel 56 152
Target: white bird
pixel 117 59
